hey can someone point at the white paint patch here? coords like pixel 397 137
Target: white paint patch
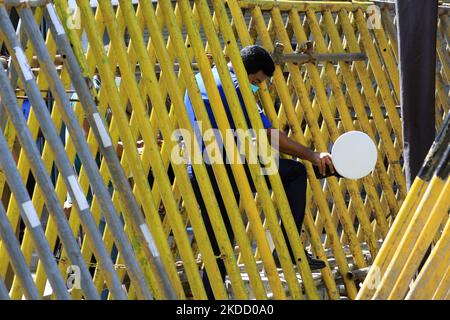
pixel 148 237
pixel 53 16
pixel 102 130
pixel 79 196
pixel 31 214
pixel 23 64
pixel 270 240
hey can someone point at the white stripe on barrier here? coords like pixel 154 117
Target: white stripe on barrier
pixel 54 17
pixel 79 196
pixel 23 64
pixel 102 130
pixel 148 237
pixel 31 214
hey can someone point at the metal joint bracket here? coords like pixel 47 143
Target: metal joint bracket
pixel 24 3
pixel 305 54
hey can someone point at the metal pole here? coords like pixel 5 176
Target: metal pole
pixel 158 267
pixel 31 3
pixel 416 29
pixel 13 247
pixel 21 194
pixel 63 163
pixel 13 79
pixel 107 149
pixel 4 294
pixel 405 215
pixel 76 133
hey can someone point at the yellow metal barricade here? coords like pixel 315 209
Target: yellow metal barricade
pixel 155 49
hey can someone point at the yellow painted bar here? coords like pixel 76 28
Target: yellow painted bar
pixel 313 103
pixel 302 5
pixel 438 213
pixel 227 192
pixel 112 55
pixel 275 180
pixel 284 95
pixel 358 105
pixel 337 194
pixel 372 101
pixel 329 119
pixel 434 268
pixel 443 288
pixel 180 171
pixel 393 239
pixel 238 172
pixel 409 238
pixel 245 37
pixel 128 142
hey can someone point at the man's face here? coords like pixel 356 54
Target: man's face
pixel 257 78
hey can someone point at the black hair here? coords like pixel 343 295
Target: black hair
pixel 257 58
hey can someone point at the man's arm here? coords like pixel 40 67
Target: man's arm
pixel 289 146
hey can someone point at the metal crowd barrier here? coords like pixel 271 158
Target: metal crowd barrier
pixel 142 234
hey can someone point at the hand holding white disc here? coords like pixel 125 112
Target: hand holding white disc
pixel 354 155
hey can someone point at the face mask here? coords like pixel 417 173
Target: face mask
pixel 255 88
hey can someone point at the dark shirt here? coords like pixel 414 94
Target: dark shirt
pixel 204 94
pixel 201 85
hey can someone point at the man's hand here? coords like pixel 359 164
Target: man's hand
pixel 322 160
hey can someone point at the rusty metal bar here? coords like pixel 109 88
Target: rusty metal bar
pixel 305 54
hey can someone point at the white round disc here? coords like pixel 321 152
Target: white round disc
pixel 354 155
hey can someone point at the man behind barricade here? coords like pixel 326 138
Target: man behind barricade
pixel 260 67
